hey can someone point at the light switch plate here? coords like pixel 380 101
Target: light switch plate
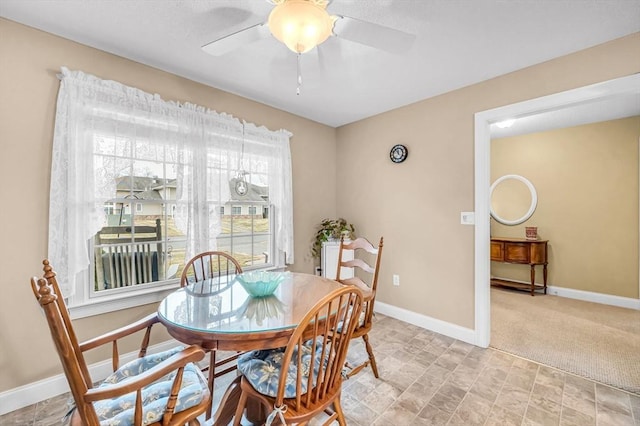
pixel 468 218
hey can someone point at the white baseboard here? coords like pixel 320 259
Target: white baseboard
pixel 588 296
pixel 442 327
pixel 469 335
pixel 29 394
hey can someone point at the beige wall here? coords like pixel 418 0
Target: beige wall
pixel 28 90
pixel 586 178
pixel 416 205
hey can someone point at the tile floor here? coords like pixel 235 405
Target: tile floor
pixel 430 379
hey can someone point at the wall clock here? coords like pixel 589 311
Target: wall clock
pixel 398 153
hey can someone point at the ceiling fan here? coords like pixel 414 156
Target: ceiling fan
pixel 304 24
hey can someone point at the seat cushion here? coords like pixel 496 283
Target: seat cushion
pixel 263 368
pixel 361 319
pixel 120 411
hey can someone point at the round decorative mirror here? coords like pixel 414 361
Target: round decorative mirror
pixel 508 199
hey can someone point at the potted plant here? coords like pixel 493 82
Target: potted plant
pixel 331 229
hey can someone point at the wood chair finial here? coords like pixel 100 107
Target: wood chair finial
pixel 43 291
pixel 48 270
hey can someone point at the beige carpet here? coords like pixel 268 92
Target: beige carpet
pixel 595 341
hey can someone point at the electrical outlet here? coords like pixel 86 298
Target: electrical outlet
pixel 396 280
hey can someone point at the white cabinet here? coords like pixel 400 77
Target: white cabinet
pixel 329 260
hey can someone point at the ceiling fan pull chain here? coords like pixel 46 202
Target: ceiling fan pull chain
pixel 299 75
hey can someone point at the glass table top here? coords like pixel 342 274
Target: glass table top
pixel 221 305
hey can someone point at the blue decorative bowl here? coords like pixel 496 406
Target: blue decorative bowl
pixel 261 283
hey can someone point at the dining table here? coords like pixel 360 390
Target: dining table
pixel 218 314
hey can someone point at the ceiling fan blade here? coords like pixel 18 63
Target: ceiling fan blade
pixel 373 35
pixel 236 40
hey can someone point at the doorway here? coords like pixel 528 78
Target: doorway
pixel 584 98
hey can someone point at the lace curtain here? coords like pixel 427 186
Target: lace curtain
pixel 197 140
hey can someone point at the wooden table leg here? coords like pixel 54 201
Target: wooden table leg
pixel 227 408
pixel 210 380
pixel 255 411
pixel 544 274
pixel 533 279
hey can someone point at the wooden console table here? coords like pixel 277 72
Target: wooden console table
pixel 524 252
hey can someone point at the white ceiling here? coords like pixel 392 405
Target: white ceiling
pixel 458 43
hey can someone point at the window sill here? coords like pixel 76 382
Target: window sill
pixel 103 305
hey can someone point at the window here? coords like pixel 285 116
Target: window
pixel 151 182
pixel 247 238
pixel 139 246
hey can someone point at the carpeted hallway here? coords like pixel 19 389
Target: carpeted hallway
pixel 595 341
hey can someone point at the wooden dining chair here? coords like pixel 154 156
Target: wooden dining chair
pixel 297 382
pixel 213 265
pixel 362 248
pixel 209 264
pixel 165 388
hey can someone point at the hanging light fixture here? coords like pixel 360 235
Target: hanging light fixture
pixel 301 24
pixel 241 186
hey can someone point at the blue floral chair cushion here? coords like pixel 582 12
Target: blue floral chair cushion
pixel 361 319
pixel 263 368
pixel 120 411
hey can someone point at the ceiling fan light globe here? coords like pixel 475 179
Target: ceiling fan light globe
pixel 300 24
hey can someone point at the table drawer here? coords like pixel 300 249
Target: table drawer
pixel 497 251
pixel 516 252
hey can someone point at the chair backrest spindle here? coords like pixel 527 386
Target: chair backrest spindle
pixel 207 265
